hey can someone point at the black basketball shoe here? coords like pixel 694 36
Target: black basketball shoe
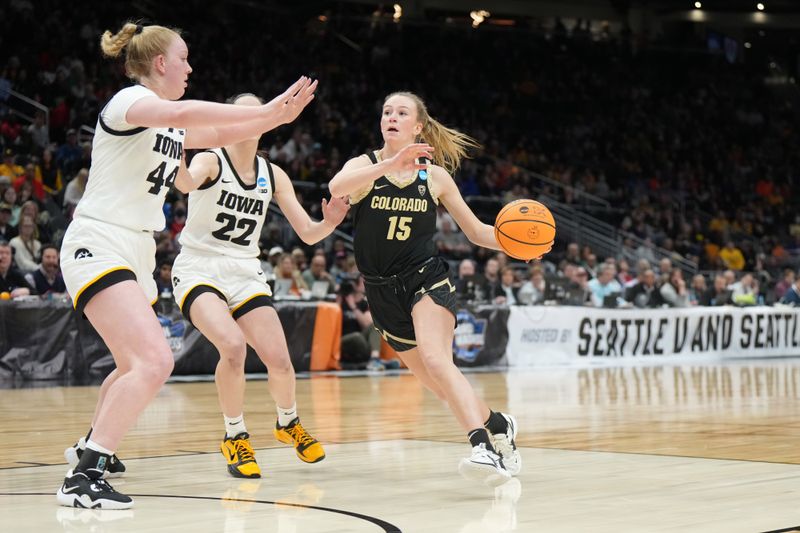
pixel 79 490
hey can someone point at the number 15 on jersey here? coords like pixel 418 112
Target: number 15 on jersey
pixel 399 228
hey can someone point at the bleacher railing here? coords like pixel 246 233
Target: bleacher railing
pixel 22 106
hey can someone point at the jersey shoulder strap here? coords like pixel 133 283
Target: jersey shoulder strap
pixel 210 183
pixel 270 173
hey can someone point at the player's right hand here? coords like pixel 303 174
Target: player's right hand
pixel 406 159
pixel 291 103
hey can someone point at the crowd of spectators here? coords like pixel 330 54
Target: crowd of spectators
pixel 691 153
pixel 577 279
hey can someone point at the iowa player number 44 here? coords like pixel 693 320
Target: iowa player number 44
pixel 156 177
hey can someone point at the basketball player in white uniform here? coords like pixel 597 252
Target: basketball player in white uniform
pixel 220 287
pixel 108 251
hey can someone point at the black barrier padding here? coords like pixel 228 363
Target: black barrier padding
pixel 48 340
pixel 36 340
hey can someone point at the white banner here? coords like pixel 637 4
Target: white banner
pixel 543 335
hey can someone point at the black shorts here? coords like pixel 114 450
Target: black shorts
pixel 391 303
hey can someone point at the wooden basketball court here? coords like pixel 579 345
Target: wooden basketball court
pixel 673 448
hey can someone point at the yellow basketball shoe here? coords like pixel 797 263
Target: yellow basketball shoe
pixel 307 447
pixel 240 456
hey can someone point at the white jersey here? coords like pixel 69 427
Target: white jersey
pixel 132 168
pixel 226 215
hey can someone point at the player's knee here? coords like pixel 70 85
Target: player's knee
pixel 157 367
pixel 436 365
pixel 282 366
pixel 165 367
pixel 233 350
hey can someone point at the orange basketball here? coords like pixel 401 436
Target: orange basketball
pixel 525 229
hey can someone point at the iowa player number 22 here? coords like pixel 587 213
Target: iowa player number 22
pixel 399 228
pixel 229 224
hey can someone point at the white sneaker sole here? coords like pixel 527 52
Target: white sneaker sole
pixel 486 474
pixel 74 517
pixel 84 501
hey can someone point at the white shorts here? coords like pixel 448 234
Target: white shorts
pixel 96 255
pixel 241 283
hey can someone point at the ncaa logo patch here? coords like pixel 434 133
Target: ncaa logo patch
pixel 423 175
pixel 262 183
pixel 82 253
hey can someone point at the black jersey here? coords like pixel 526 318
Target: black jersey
pixel 394 226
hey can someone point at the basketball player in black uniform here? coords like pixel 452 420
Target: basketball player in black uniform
pixel 394 192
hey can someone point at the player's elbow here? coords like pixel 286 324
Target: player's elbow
pixel 187 187
pixel 336 188
pixel 308 236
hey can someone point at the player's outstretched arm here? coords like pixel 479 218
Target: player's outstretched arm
pixel 359 172
pixel 308 229
pixel 210 124
pixel 475 230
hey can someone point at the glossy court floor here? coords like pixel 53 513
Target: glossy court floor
pixel 672 448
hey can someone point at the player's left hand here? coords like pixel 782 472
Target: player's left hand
pixel 540 257
pixel 335 210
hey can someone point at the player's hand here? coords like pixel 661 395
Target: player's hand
pixel 334 211
pixel 540 257
pixel 406 159
pixel 291 103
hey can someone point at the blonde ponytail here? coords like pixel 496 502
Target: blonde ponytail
pixel 451 146
pixel 141 45
pixel 112 45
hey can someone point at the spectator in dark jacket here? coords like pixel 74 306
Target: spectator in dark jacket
pixel 645 293
pixel 11 280
pixel 7 231
pixel 47 278
pixel 792 296
pixel 719 294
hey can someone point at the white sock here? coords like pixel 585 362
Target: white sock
pixel 235 425
pixel 92 445
pixel 285 416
